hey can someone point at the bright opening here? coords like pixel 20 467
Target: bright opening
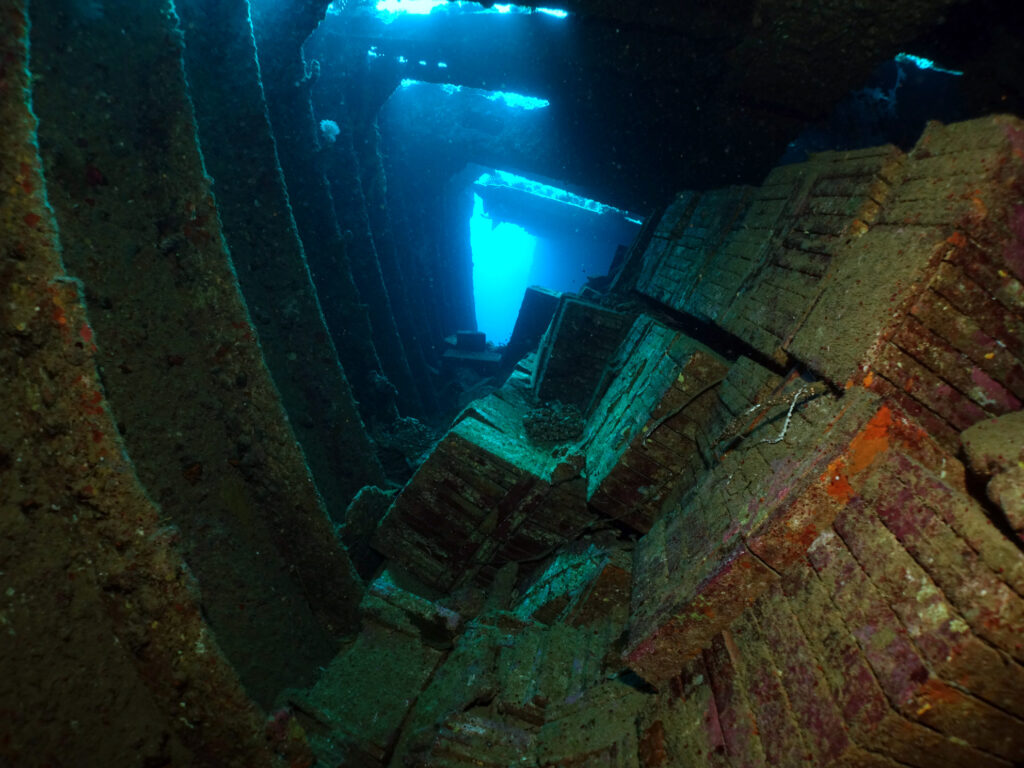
pixel 922 63
pixel 502 259
pixel 409 6
pixel 514 181
pixel 517 100
pixel 570 240
pixel 388 10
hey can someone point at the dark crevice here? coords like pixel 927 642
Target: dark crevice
pixel 714 337
pixel 977 487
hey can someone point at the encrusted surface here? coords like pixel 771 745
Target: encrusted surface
pixel 107 657
pixel 775 560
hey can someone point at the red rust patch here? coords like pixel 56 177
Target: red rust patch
pixel 804 537
pixel 838 486
pixel 92 402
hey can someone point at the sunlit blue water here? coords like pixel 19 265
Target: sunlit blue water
pixel 391 8
pixel 502 258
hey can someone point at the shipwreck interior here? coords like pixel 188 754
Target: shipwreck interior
pixel 447 383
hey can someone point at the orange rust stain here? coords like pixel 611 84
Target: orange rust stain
pixel 651 750
pixel 86 333
pixel 869 378
pixel 872 440
pixel 957 239
pixel 935 691
pixel 757 420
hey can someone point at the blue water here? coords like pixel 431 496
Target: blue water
pixel 502 259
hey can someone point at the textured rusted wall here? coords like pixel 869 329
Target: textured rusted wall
pixel 179 357
pixel 351 208
pixel 106 657
pixel 280 29
pixel 239 152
